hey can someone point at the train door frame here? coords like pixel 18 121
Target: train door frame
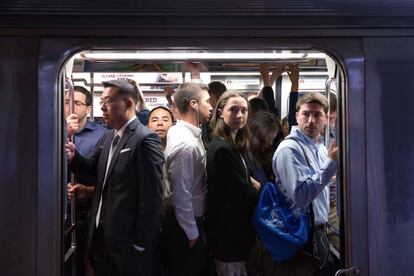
pixel 53 54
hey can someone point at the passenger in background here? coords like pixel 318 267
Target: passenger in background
pixel 267 92
pixel 258 104
pixel 290 120
pixel 128 163
pixel 141 108
pixel 86 136
pixel 231 195
pixel 332 115
pixel 333 188
pixel 293 73
pixel 266 134
pixel 160 119
pixel 285 126
pixel 183 231
pixel 169 92
pixel 215 90
pixel 303 168
pixel 252 95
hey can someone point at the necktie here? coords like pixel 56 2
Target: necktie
pixel 111 152
pixel 115 141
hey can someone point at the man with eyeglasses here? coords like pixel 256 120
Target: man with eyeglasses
pixel 87 134
pixel 128 163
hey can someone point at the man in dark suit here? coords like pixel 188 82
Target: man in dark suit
pixel 128 164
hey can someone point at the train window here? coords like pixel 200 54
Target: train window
pixel 154 70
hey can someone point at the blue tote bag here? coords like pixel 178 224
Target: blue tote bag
pixel 282 233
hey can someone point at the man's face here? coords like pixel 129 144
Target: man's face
pixel 114 107
pixel 80 107
pixel 213 100
pixel 160 121
pixel 311 119
pixel 204 107
pixel 332 119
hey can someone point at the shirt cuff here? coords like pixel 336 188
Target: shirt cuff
pixel 192 234
pixel 138 248
pixel 331 166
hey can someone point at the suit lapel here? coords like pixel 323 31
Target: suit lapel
pixel 104 158
pixel 128 132
pixel 102 168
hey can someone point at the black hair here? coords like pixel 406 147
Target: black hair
pixel 163 108
pixel 126 87
pixel 216 88
pixel 258 104
pixel 84 91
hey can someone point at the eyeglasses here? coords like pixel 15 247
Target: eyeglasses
pixel 131 81
pixel 109 100
pixel 77 103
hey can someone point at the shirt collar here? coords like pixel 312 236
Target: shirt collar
pixel 121 131
pixel 302 136
pixel 89 125
pixel 195 130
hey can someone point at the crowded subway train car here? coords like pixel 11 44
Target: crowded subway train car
pixel 361 52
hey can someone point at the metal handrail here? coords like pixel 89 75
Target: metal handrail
pixel 328 96
pixel 71 251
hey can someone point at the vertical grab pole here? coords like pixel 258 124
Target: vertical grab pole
pixel 328 96
pixel 72 250
pixel 92 117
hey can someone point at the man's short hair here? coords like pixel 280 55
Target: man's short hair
pixel 126 87
pixel 332 102
pixel 163 108
pixel 216 88
pixel 187 92
pixel 257 104
pixel 313 97
pixel 84 91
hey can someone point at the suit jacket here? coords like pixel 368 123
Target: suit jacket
pixel 231 199
pixel 132 193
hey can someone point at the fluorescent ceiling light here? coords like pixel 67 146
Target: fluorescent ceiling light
pixel 147 56
pixel 213 74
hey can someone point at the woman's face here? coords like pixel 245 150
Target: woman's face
pixel 285 128
pixel 270 137
pixel 235 113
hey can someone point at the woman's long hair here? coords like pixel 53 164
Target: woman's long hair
pixel 261 125
pixel 221 130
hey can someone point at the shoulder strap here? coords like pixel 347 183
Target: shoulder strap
pixel 307 161
pixel 300 145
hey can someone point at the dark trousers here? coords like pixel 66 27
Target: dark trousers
pixel 81 239
pixel 135 264
pixel 178 258
pixel 307 262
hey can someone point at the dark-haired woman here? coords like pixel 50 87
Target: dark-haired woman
pixel 265 135
pixel 231 195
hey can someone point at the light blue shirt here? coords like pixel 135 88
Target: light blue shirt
pixel 301 183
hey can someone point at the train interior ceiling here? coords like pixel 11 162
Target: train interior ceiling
pixel 238 70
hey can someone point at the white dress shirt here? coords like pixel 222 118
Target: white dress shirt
pixel 186 162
